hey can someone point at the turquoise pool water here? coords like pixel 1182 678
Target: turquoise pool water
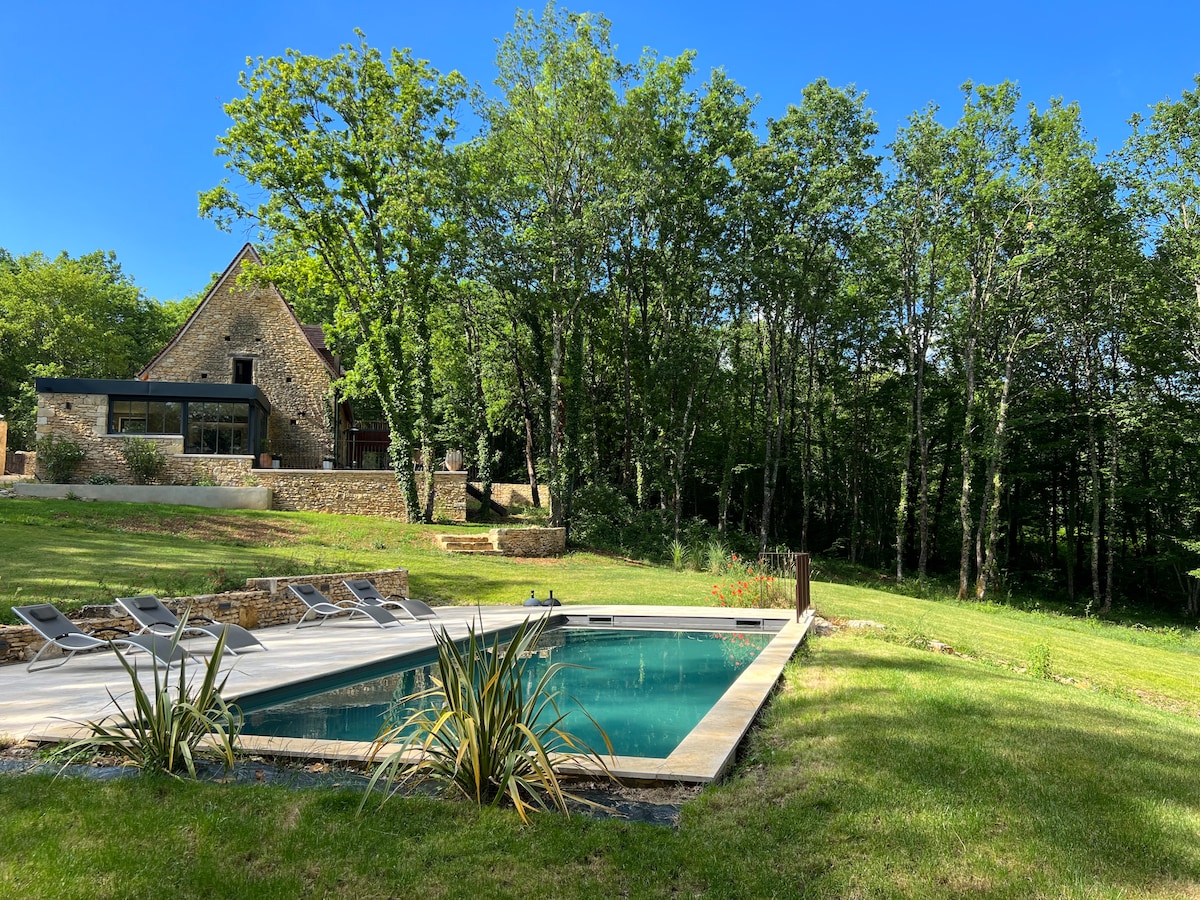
pixel 647 689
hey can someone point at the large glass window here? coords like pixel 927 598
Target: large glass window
pixel 221 428
pixel 144 416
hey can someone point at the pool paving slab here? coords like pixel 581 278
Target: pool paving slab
pixel 51 704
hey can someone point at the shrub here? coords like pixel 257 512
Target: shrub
pixel 1039 662
pixel 102 478
pixel 144 458
pixel 61 456
pixel 172 725
pixel 480 733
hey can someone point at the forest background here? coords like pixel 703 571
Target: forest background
pixel 971 351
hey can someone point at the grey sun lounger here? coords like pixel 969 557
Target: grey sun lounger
pixel 322 608
pixel 61 632
pixel 367 594
pixel 154 617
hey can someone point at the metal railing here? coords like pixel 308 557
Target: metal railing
pixel 787 581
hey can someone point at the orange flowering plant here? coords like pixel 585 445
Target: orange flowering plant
pixel 744 585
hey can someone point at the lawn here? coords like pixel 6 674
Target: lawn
pixel 74 553
pixel 879 769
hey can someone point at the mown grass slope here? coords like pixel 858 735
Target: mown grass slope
pixel 1046 757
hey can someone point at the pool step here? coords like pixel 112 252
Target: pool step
pixel 477 544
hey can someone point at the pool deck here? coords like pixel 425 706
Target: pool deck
pixel 51 704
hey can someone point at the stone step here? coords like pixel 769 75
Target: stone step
pixel 467 543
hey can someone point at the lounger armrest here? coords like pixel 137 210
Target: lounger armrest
pixel 396 597
pixel 204 620
pixel 111 628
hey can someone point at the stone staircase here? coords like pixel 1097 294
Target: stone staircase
pixel 477 544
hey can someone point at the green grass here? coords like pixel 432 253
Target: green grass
pixel 879 769
pixel 73 553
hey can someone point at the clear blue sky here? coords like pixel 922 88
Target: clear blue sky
pixel 111 110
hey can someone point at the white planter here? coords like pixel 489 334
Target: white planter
pixel 327 464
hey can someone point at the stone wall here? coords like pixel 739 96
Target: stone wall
pixel 265 602
pixel 529 541
pixel 255 323
pixel 361 492
pixel 19 462
pixel 515 496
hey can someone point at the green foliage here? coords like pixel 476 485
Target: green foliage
pixel 347 160
pixel 102 478
pixel 678 553
pixel 173 724
pixel 65 317
pixel 715 556
pixel 483 733
pixel 144 458
pixel 1039 661
pixel 61 457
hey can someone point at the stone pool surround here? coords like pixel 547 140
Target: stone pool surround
pixel 46 704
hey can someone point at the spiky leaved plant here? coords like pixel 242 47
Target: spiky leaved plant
pixel 480 733
pixel 171 725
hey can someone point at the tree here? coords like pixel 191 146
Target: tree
pixel 551 131
pixel 78 318
pixel 348 156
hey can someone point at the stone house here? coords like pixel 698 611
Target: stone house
pixel 241 378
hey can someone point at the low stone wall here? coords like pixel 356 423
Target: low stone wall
pixel 359 492
pixel 529 541
pixel 265 602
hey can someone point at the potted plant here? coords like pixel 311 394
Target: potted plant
pixel 454 460
pixel 327 461
pixel 264 455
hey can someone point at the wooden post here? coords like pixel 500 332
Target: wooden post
pixel 3 447
pixel 803 594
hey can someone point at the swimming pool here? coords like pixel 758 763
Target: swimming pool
pixel 647 688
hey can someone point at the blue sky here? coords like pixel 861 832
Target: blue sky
pixel 111 111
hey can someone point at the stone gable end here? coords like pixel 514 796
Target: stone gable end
pixel 255 323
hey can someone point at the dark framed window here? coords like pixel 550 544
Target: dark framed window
pixel 243 371
pixel 217 427
pixel 144 416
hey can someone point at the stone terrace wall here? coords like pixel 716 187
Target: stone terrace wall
pixel 515 495
pixel 360 492
pixel 529 541
pixel 266 602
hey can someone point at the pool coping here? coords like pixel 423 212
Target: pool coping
pixel 704 755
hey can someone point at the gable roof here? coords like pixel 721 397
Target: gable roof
pixel 313 334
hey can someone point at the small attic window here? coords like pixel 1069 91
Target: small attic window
pixel 294 422
pixel 203 374
pixel 243 371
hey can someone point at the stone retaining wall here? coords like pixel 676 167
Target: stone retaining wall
pixel 360 492
pixel 265 602
pixel 515 496
pixel 529 541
